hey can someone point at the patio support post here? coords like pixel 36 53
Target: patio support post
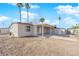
pixel 42 31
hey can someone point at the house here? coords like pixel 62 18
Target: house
pixel 74 30
pixel 4 30
pixel 19 29
pixel 60 31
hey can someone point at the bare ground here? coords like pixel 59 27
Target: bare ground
pixel 37 46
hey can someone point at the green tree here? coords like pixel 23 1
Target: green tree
pixel 42 20
pixel 19 6
pixel 59 18
pixel 27 6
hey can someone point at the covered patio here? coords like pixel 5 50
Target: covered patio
pixel 47 29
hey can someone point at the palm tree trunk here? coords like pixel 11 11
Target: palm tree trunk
pixel 20 13
pixel 27 15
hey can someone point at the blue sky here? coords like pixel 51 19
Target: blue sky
pixel 69 13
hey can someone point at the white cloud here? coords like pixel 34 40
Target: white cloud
pixel 68 9
pixel 31 15
pixel 15 20
pixel 14 4
pixel 4 18
pixel 34 6
pixel 47 21
pixel 55 22
pixel 69 21
pixel 65 23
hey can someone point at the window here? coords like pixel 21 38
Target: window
pixel 28 28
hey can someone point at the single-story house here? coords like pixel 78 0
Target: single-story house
pixel 4 30
pixel 19 29
pixel 60 31
pixel 74 31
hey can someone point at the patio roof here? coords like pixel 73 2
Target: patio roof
pixel 47 25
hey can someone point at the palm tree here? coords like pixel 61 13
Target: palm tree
pixel 19 6
pixel 27 7
pixel 42 20
pixel 59 18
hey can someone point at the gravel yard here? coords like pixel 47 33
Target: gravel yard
pixel 37 46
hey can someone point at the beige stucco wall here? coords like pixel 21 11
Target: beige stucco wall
pixel 19 30
pixel 22 30
pixel 14 30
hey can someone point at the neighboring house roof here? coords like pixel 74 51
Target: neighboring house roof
pixel 20 23
pixel 74 28
pixel 4 28
pixel 60 28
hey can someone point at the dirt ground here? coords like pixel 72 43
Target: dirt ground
pixel 37 46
